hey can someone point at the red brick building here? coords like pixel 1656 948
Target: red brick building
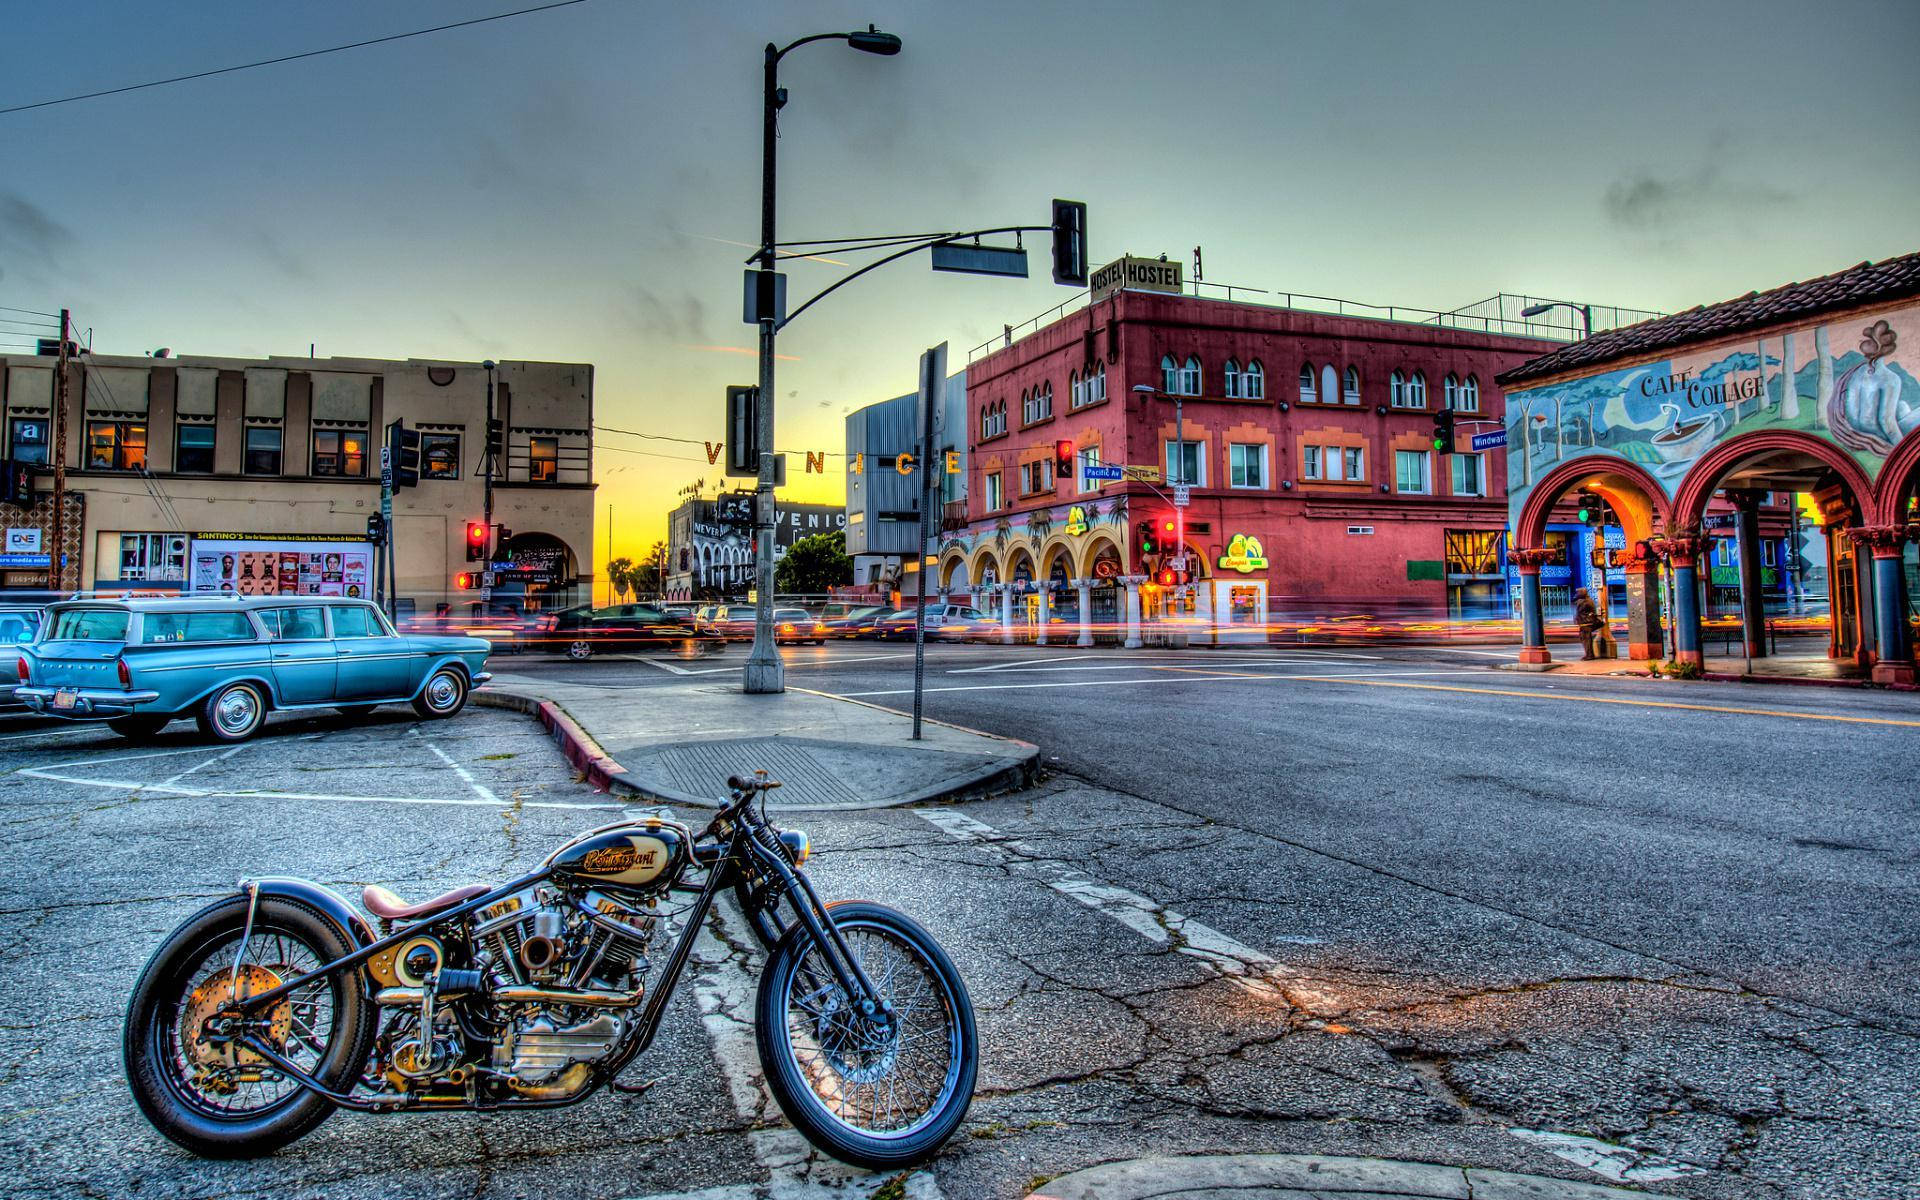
pixel 1308 445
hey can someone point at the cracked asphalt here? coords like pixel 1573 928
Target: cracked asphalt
pixel 1248 916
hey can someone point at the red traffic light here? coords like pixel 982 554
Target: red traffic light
pixel 476 533
pixel 1063 458
pixel 463 581
pixel 1167 526
pixel 1167 578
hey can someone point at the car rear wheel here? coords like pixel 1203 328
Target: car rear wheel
pixel 139 726
pixel 444 695
pixel 580 651
pixel 234 713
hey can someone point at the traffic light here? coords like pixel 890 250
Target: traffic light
pixel 1148 543
pixel 496 445
pixel 1070 243
pixel 476 541
pixel 403 453
pixel 377 529
pixel 1063 459
pixel 1167 531
pixel 1443 430
pixel 743 432
pixel 1592 510
pixel 1168 578
pixel 466 581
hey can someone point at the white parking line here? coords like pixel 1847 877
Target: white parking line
pixel 466 776
pixel 1622 1164
pixel 223 756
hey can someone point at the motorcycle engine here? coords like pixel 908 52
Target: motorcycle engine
pixel 544 1059
pixel 583 941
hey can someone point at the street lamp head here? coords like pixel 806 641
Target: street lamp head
pixel 873 41
pixel 1534 310
pixel 1145 389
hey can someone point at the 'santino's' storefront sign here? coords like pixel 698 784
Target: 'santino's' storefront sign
pixel 1143 274
pixel 1244 554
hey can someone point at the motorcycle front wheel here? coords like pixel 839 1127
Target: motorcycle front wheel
pixel 220 1100
pixel 884 1096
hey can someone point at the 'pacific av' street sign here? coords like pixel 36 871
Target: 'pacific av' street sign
pixel 1490 441
pixel 1093 471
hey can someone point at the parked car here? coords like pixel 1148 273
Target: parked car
pixel 625 627
pixel 227 661
pixel 795 626
pixel 19 623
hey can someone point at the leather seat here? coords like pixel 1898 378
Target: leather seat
pixel 384 904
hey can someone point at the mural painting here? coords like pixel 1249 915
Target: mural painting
pixel 1854 382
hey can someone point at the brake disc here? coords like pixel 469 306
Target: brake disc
pixel 217 991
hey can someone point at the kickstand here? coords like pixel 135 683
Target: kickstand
pixel 633 1089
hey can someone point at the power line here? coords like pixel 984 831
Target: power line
pixel 286 58
pixel 32 312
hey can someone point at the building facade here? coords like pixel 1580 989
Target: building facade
pixel 1307 442
pixel 1690 424
pixel 258 476
pixel 709 559
pixel 883 502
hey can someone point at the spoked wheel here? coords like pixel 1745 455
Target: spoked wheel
pixel 580 651
pixel 193 1079
pixel 878 1094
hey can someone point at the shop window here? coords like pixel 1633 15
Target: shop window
pixel 1309 385
pixel 1185 463
pixel 1472 552
pixel 543 459
pixel 27 439
pixel 116 446
pixel 149 557
pixel 439 456
pixel 1352 393
pixel 263 450
pixel 1468 478
pixel 1413 472
pixel 1247 464
pixel 193 449
pixel 995 498
pixel 344 452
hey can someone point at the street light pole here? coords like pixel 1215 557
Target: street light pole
pixel 765 672
pixel 1177 464
pixel 1585 311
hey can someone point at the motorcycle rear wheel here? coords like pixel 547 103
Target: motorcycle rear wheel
pixel 214 1108
pixel 880 1097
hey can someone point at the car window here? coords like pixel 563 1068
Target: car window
pixel 160 628
pixel 354 622
pixel 18 627
pixel 642 613
pixel 90 625
pixel 791 614
pixel 294 624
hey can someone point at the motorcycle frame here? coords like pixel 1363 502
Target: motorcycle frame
pixel 738 834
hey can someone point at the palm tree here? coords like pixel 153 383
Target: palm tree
pixel 620 575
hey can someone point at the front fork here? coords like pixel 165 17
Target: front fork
pixel 793 886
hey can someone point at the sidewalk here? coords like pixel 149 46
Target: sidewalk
pixel 1806 669
pixel 676 745
pixel 1310 1177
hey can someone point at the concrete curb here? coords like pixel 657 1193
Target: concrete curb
pixel 1310 1177
pixel 604 774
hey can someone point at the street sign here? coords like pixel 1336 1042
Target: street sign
pixel 981 260
pixel 1142 474
pixel 765 297
pixel 1722 521
pixel 1176 562
pixel 1182 493
pixel 1093 471
pixel 1490 441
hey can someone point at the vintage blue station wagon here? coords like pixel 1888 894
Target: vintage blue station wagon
pixel 228 661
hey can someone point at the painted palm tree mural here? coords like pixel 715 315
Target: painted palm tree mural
pixel 1663 416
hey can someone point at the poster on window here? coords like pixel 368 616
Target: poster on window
pixel 278 567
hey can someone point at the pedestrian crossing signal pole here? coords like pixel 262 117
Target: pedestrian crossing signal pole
pixel 933 376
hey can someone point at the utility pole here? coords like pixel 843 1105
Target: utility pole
pixel 56 572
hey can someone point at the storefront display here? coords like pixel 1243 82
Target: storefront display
pixel 283 566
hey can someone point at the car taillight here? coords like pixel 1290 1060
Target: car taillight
pixel 25 673
pixel 126 676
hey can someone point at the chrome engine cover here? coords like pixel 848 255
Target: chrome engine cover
pixel 536 1051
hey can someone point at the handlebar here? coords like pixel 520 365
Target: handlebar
pixel 759 783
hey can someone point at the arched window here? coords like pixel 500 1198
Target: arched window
pixel 1309 385
pixel 1076 391
pixel 1450 388
pixel 1329 385
pixel 1253 382
pixel 1169 374
pixel 1231 379
pixel 1469 399
pixel 1045 400
pixel 1397 390
pixel 1352 395
pixel 1190 377
pixel 1417 390
pixel 1097 386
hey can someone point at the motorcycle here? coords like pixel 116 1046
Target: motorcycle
pixel 270 1008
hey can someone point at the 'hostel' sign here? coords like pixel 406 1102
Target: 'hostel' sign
pixel 1142 274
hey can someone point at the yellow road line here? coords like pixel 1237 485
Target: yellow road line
pixel 1717 708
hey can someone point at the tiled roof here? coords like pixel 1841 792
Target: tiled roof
pixel 1885 280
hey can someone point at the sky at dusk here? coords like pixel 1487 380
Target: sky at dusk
pixel 582 184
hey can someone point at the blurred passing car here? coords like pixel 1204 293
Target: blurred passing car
pixel 795 626
pixel 624 627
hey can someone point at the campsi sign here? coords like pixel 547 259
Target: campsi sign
pixel 1143 274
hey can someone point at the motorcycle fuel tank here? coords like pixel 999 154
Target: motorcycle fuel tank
pixel 638 854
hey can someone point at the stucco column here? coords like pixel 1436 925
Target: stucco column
pixel 1045 613
pixel 1006 613
pixel 1895 664
pixel 1533 624
pixel 1133 613
pixel 1086 611
pixel 1683 551
pixel 1644 638
pixel 1746 540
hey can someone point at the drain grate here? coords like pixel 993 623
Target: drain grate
pixel 702 770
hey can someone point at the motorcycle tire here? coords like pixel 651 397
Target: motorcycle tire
pixel 846 1069
pixel 172 1103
